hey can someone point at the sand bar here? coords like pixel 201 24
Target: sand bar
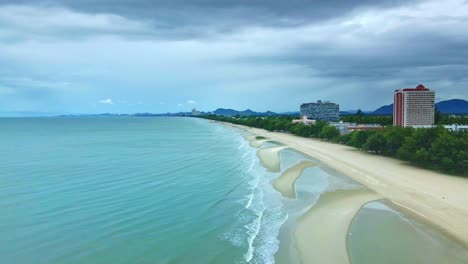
pixel 322 232
pixel 250 137
pixel 438 198
pixel 258 143
pixel 285 183
pixel 269 157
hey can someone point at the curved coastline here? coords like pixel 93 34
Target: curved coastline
pixel 310 241
pixel 269 157
pixel 249 137
pixel 321 233
pixel 258 143
pixel 285 183
pixel 433 197
pixel 406 239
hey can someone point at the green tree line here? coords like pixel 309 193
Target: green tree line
pixel 432 148
pixel 385 120
pixel 361 118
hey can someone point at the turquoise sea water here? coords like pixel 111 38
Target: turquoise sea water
pixel 132 190
pixel 174 190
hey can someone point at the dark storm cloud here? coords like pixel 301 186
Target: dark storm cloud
pixel 187 19
pixel 223 51
pixel 311 10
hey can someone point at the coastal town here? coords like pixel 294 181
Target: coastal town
pixel 245 132
pixel 412 107
pixel 414 132
pixel 374 154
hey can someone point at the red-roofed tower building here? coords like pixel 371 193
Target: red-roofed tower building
pixel 413 107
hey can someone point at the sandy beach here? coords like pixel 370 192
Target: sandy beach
pixel 326 226
pixel 258 143
pixel 269 157
pixel 436 198
pixel 285 183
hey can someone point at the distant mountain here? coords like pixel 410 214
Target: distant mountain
pixel 93 115
pixel 453 106
pixel 28 114
pixel 292 113
pixel 344 113
pixel 383 110
pixel 352 112
pixel 248 112
pixel 150 114
pixel 270 113
pixel 225 112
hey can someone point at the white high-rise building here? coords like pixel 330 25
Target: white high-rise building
pixel 413 107
pixel 322 110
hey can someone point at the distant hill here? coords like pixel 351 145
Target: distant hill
pixel 453 106
pixel 291 113
pixel 248 112
pixel 93 115
pixel 225 112
pixel 352 112
pixel 383 110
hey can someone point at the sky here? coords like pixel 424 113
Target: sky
pixel 96 56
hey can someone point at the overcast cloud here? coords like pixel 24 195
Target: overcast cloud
pixel 86 56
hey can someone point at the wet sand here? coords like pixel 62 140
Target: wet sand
pixel 436 198
pixel 285 183
pixel 269 157
pixel 321 233
pixel 258 143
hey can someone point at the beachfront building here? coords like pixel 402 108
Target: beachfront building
pixel 304 120
pixel 452 127
pixel 365 127
pixel 456 127
pixel 346 127
pixel 413 107
pixel 195 112
pixel 342 126
pixel 322 110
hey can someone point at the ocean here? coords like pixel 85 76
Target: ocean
pixel 132 190
pixel 167 190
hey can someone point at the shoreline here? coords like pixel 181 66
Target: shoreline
pixel 436 198
pixel 285 183
pixel 329 221
pixel 269 158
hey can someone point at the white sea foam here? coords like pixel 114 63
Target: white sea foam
pixel 252 165
pixel 258 224
pixel 243 145
pixel 249 203
pixel 266 242
pixel 253 229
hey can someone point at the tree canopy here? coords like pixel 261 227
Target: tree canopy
pixel 433 148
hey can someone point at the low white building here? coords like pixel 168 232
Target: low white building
pixel 452 127
pixel 346 127
pixel 304 120
pixel 455 127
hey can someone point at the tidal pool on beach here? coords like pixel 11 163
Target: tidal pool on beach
pixel 383 234
pixel 330 212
